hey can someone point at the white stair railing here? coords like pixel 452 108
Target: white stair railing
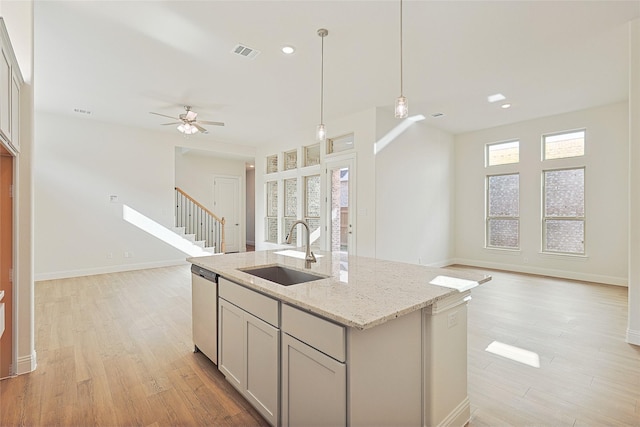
pixel 198 220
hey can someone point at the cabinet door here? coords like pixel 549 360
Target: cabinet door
pixel 262 345
pixel 15 113
pixel 313 386
pixel 231 338
pixel 5 94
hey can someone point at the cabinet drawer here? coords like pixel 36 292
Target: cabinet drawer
pixel 319 333
pixel 259 305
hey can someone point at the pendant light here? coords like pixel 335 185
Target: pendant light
pixel 402 105
pixel 321 133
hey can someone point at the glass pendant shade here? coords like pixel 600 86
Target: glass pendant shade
pixel 321 133
pixel 402 107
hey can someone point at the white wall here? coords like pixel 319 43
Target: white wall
pixel 79 164
pixel 195 171
pixel 414 194
pixel 606 185
pixel 633 327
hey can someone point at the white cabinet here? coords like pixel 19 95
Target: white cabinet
pixel 10 84
pixel 249 346
pixel 16 83
pixel 5 93
pixel 314 384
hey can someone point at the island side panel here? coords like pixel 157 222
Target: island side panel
pixel 446 401
pixel 384 378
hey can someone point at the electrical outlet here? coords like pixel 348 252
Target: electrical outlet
pixel 452 319
pixel 109 255
pixel 126 254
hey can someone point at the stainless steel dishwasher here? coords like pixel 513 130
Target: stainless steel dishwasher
pixel 204 307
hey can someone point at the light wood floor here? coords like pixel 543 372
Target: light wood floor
pixel 116 350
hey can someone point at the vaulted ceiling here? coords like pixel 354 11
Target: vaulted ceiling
pixel 122 59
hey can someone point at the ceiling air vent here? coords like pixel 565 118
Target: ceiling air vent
pixel 245 51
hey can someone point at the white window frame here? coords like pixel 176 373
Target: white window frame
pixel 565 132
pixel 487 149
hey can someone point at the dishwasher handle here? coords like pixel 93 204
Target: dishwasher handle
pixel 204 273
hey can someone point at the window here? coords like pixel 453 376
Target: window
pixel 341 143
pixel 564 215
pixel 503 153
pixel 312 207
pixel 272 212
pixel 290 207
pixel 503 211
pixel 312 155
pixel 563 145
pixel 272 164
pixel 290 160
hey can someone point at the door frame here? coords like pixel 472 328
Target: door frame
pixel 242 246
pixel 347 160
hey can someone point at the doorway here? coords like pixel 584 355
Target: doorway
pixel 6 259
pixel 226 200
pixel 341 206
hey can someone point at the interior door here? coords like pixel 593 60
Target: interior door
pixel 226 201
pixel 341 206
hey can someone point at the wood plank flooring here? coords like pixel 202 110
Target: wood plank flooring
pixel 116 350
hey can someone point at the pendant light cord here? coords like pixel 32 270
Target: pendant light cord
pixel 322 82
pixel 401 82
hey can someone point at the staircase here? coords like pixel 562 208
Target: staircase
pixel 198 224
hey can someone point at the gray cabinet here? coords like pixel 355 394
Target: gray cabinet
pixel 314 379
pixel 249 346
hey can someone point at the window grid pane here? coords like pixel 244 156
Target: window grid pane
pixel 504 233
pixel 312 196
pixel 503 153
pixel 560 146
pixel 564 193
pixel 563 235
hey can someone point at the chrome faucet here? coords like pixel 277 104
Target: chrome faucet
pixel 309 256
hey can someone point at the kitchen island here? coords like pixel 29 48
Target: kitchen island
pixel 370 342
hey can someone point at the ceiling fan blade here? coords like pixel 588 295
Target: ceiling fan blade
pixel 200 128
pixel 163 115
pixel 172 123
pixel 206 122
pixel 191 115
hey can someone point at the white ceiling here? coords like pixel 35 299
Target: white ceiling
pixel 123 59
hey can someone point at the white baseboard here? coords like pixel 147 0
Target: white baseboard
pixel 573 275
pixel 460 416
pixel 108 269
pixel 441 264
pixel 633 337
pixel 26 364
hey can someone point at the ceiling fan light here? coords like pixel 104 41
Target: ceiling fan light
pixel 402 107
pixel 181 128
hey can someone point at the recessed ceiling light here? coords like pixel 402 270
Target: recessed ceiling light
pixel 505 106
pixel 288 49
pixel 496 97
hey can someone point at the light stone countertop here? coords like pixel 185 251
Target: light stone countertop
pixel 359 292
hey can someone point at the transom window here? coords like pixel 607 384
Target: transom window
pixel 502 153
pixel 563 145
pixel 503 211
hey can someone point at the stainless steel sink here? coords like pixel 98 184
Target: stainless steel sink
pixel 282 275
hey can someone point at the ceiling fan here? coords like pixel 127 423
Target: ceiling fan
pixel 187 123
